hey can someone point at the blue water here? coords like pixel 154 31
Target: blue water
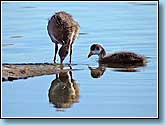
pixel 120 26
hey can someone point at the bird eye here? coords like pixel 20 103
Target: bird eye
pixel 97 48
pixel 93 47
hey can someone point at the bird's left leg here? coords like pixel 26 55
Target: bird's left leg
pixel 56 49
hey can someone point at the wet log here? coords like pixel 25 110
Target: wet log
pixel 12 72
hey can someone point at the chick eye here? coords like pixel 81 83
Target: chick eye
pixel 97 48
pixel 93 47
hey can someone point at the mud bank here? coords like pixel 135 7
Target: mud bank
pixel 12 72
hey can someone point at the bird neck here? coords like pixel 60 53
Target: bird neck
pixel 102 53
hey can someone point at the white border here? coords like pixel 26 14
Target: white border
pixel 90 1
pixel 87 117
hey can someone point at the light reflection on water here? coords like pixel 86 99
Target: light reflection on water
pixel 101 91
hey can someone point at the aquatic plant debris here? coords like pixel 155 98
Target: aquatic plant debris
pixel 28 7
pixel 83 33
pixel 16 36
pixel 7 44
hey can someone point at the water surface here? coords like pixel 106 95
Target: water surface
pixel 119 26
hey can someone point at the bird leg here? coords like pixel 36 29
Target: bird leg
pixel 56 49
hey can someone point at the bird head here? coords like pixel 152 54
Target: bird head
pixel 95 49
pixel 63 52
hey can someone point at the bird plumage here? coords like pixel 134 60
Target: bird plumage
pixel 125 58
pixel 63 29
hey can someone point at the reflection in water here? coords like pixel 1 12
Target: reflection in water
pixel 124 66
pixel 99 71
pixel 64 91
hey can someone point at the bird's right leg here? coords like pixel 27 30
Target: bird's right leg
pixel 56 49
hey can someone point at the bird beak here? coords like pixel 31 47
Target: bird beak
pixel 90 54
pixel 61 61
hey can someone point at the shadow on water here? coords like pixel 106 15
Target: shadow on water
pixel 64 90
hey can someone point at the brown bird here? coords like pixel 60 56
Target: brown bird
pixel 64 30
pixel 122 58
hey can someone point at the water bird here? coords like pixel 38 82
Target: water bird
pixel 118 59
pixel 64 30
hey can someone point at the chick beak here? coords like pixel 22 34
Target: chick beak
pixel 90 54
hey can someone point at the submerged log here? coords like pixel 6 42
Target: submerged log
pixel 12 72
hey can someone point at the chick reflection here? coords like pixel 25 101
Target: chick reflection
pixel 97 72
pixel 64 91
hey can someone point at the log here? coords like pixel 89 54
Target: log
pixel 12 72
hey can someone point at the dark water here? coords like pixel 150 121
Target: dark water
pixel 119 26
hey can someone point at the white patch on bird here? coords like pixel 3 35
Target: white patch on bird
pixel 71 37
pixel 71 40
pixel 54 39
pixel 63 41
pixel 77 33
pixel 96 52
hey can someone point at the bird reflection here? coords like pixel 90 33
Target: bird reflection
pixel 64 91
pixel 97 72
